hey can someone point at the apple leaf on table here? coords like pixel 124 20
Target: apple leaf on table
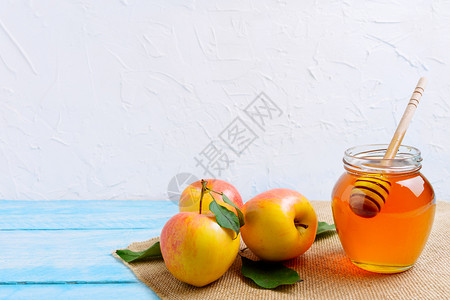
pixel 150 253
pixel 268 275
pixel 324 227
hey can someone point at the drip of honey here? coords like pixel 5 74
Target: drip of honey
pixel 392 240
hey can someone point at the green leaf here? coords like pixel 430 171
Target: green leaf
pixel 239 212
pixel 268 275
pixel 324 227
pixel 224 217
pixel 150 253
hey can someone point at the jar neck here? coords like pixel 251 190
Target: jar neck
pixel 369 159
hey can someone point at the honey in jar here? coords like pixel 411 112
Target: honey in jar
pixel 383 208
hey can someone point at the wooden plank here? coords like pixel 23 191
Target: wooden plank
pixel 77 291
pixel 61 256
pixel 62 249
pixel 18 215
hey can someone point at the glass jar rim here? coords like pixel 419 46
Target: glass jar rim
pixel 370 159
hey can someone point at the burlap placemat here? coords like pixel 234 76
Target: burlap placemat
pixel 326 272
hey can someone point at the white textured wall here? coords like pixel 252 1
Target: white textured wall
pixel 112 99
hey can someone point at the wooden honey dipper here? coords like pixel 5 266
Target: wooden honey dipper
pixel 370 193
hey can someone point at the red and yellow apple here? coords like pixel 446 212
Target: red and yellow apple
pixel 196 250
pixel 190 197
pixel 280 224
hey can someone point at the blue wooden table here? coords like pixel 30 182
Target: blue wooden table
pixel 62 249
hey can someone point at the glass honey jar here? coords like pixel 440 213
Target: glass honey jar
pixel 383 208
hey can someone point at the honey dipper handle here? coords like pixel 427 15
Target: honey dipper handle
pixel 406 118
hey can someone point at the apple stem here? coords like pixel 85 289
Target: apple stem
pixel 204 188
pixel 298 224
